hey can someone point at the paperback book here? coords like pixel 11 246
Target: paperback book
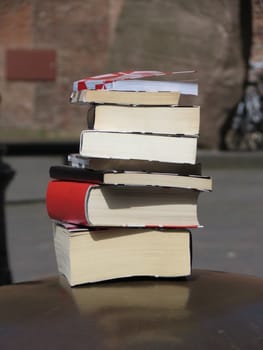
pixel 87 255
pixel 129 88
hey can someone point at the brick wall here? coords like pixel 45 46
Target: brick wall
pixel 78 33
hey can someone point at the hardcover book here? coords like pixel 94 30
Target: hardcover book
pixel 90 204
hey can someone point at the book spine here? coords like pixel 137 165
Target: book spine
pixel 66 201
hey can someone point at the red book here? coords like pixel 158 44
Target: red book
pixel 91 204
pixel 65 201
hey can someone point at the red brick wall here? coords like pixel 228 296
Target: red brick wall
pixel 79 32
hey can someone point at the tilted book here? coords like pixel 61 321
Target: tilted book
pixel 128 87
pixel 115 164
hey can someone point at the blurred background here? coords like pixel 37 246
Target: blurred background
pixel 46 45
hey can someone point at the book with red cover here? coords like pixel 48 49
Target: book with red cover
pixel 130 80
pixel 128 87
pixel 90 204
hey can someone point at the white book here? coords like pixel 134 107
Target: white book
pixel 185 88
pixel 174 149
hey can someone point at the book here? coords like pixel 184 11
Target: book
pixel 174 149
pixel 125 97
pixel 187 88
pixel 105 164
pixel 89 204
pixel 88 256
pixel 132 81
pixel 128 87
pixel 159 120
pixel 137 178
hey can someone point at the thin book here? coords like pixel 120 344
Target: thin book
pixel 135 178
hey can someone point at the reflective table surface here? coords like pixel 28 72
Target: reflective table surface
pixel 210 310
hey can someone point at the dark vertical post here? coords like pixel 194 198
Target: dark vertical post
pixel 6 175
pixel 246 32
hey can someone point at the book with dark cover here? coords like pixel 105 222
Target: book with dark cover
pixel 136 178
pixel 115 164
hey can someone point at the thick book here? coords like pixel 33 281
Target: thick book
pixel 162 148
pixel 90 204
pixel 159 120
pixel 137 178
pixel 76 160
pixel 88 256
pixel 128 87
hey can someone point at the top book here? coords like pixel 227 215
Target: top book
pixel 129 88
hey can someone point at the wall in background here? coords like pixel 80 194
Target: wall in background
pixel 81 37
pixel 44 47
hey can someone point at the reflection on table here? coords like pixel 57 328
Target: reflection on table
pixel 209 310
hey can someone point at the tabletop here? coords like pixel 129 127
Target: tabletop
pixel 208 310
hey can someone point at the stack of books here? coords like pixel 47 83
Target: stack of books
pixel 124 205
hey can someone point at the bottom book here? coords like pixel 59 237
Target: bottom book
pixel 86 256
